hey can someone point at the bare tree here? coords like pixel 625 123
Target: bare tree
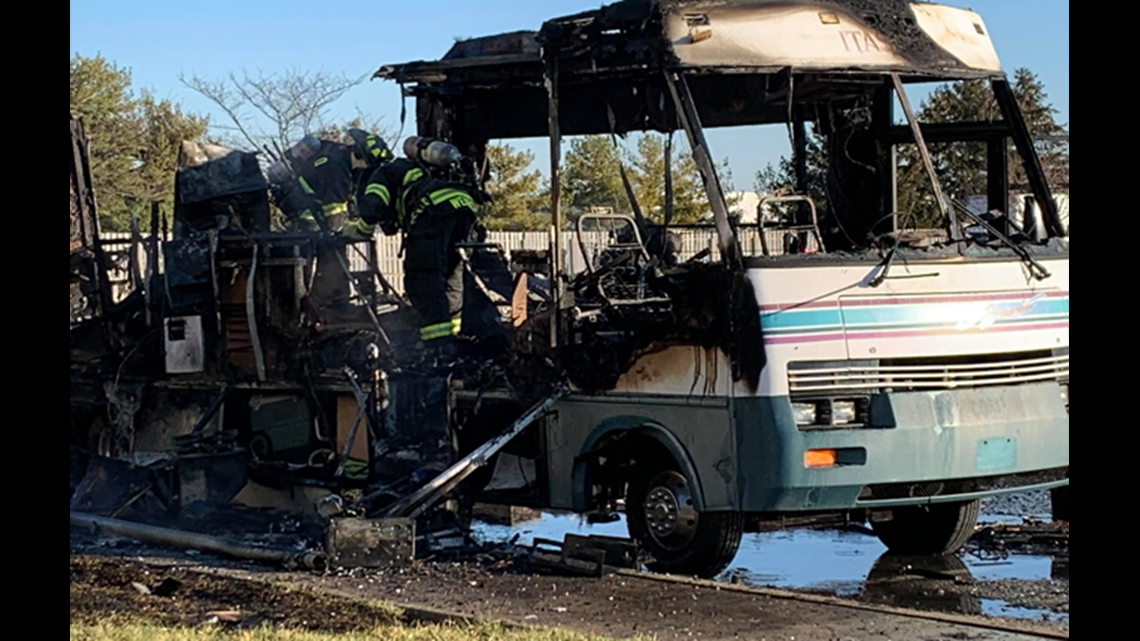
pixel 274 109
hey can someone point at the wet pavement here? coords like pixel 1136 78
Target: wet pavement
pixel 855 565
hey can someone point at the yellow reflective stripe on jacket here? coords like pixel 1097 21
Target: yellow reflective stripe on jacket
pixel 436 332
pixel 457 197
pixel 381 192
pixel 306 187
pixel 456 326
pixel 321 161
pixel 412 176
pixel 336 209
pixel 358 230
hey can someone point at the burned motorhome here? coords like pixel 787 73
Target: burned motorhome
pixel 871 372
pixel 874 371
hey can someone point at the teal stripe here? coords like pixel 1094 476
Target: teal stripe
pixel 916 313
pixel 902 326
pixel 902 316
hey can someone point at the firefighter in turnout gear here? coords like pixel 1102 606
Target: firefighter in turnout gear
pixel 316 191
pixel 437 215
pixel 327 173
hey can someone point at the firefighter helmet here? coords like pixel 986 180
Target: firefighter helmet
pixel 369 147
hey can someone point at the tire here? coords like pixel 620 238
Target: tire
pixel 689 543
pixel 929 530
pixel 1061 504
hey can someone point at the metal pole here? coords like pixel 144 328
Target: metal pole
pixel 555 194
pixel 924 151
pixel 200 542
pixel 1023 139
pixel 416 504
pixel 361 411
pixel 251 316
pixel 690 120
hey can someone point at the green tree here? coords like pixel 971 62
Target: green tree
pixel 690 203
pixel 592 178
pixel 960 166
pixel 519 197
pixel 135 140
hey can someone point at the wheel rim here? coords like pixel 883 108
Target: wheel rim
pixel 670 516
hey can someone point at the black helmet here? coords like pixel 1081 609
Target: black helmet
pixel 369 147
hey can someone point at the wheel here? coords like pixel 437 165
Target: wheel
pixel 663 519
pixel 1061 504
pixel 937 530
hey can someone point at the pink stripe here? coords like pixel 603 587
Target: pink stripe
pixel 917 300
pixel 911 333
pixel 809 338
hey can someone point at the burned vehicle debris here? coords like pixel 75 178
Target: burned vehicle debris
pixel 830 365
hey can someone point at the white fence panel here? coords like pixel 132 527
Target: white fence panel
pixel 389 261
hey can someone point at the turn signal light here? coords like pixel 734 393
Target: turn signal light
pixel 819 459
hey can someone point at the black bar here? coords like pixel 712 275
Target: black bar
pixel 883 119
pixel 212 412
pixel 801 155
pixel 997 177
pixel 952 132
pixel 1011 111
pixel 801 162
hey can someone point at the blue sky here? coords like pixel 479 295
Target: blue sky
pixel 159 39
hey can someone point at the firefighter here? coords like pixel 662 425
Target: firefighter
pixel 319 198
pixel 327 173
pixel 436 216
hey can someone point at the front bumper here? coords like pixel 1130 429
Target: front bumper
pixel 947 446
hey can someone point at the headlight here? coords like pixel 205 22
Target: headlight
pixel 806 413
pixel 831 413
pixel 844 412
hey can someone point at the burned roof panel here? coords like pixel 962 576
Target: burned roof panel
pixel 864 35
pixel 737 53
pixel 520 43
pixel 883 36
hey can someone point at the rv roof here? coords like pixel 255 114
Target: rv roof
pixel 734 51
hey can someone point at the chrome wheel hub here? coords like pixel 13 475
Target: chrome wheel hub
pixel 670 515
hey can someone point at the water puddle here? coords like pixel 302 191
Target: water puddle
pixel 855 565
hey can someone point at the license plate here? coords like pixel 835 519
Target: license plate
pixel 997 454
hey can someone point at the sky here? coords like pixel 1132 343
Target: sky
pixel 161 39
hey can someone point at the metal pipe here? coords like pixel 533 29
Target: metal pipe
pixel 212 411
pixel 927 161
pixel 423 499
pixel 251 316
pixel 557 259
pixel 186 540
pixel 690 120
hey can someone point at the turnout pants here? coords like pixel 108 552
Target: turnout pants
pixel 433 269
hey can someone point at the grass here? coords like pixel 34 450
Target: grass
pixel 113 631
pixel 106 606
